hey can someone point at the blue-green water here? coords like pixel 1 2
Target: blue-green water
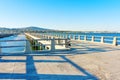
pixel 97 36
pixel 13 43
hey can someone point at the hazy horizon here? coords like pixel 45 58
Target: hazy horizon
pixel 74 15
pixel 63 29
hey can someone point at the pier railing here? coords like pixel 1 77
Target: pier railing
pixel 89 38
pixel 37 45
pixel 98 39
pixel 49 44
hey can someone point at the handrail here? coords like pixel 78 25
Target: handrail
pixel 11 40
pixel 27 50
pixel 94 38
pixel 114 40
pixel 10 46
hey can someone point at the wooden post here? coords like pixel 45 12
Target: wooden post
pixel 115 41
pixel 92 39
pixel 102 39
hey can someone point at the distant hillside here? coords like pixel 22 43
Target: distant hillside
pixel 35 28
pixel 31 28
pixel 21 30
pixel 1 28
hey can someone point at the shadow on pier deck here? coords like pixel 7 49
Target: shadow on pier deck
pixel 29 67
pixel 49 66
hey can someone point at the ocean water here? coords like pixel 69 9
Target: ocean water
pixel 108 37
pixel 13 43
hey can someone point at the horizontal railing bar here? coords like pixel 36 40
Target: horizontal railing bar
pixel 28 40
pixel 42 45
pixel 10 46
pixel 11 40
pixel 96 36
pixel 97 39
pixel 109 40
pixel 89 38
pixel 49 44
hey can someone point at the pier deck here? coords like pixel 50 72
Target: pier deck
pixel 83 61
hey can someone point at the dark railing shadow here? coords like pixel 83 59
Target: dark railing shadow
pixel 31 72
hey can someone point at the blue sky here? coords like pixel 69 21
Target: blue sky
pixel 80 15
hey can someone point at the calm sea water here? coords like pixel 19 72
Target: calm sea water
pixel 13 43
pixel 108 37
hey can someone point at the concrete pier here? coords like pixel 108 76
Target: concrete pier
pixel 94 39
pixel 51 44
pixel 86 60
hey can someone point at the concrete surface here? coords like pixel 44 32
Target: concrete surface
pixel 85 61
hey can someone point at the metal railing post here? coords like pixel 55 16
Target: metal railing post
pixel 53 44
